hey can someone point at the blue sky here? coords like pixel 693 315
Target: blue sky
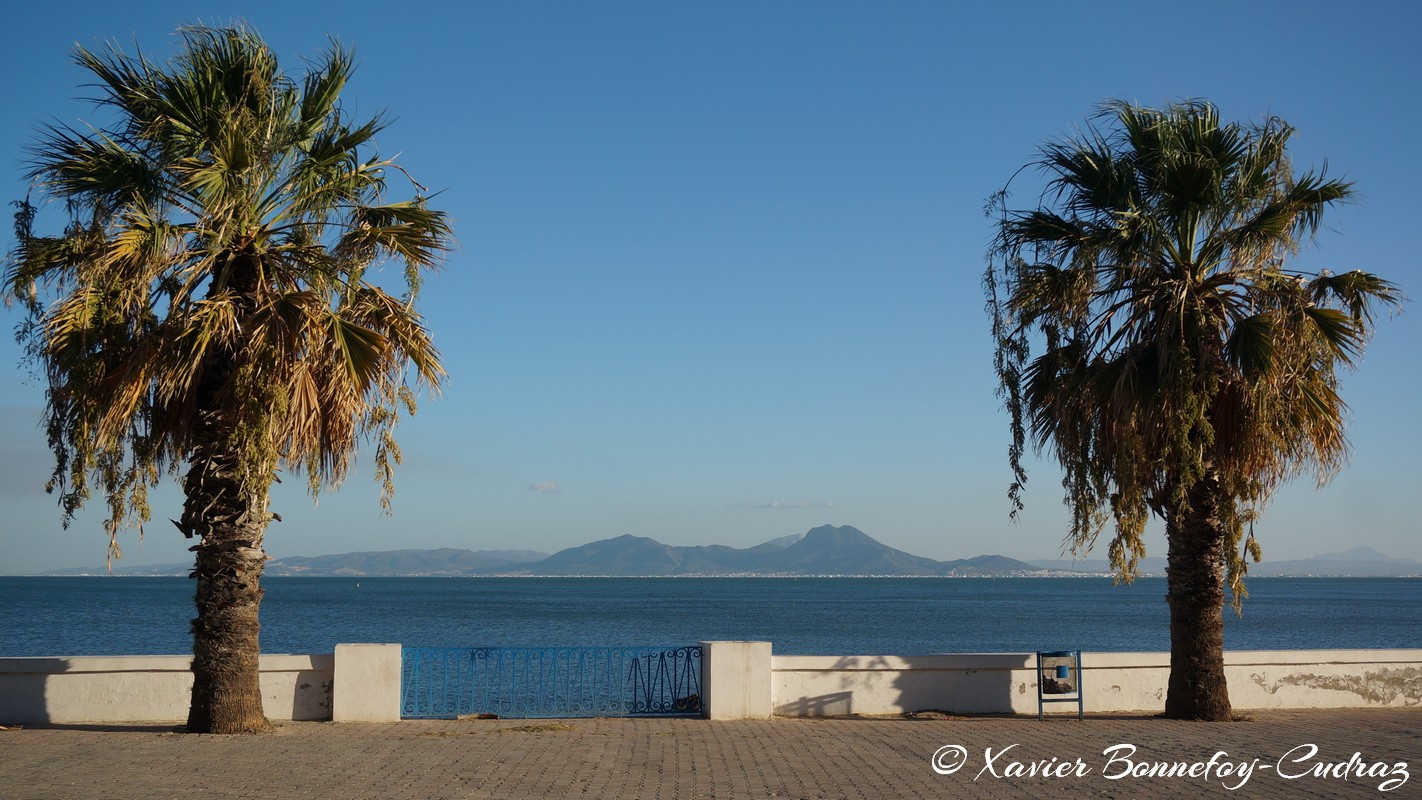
pixel 718 275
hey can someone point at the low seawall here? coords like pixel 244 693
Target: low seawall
pixel 357 682
pixel 361 682
pixel 1006 683
pixel 74 689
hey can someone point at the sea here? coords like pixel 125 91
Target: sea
pixel 54 616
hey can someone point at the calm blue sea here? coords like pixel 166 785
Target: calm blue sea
pixel 806 616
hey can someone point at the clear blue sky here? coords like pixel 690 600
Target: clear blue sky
pixel 718 279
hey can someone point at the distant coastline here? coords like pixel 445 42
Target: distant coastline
pixel 823 552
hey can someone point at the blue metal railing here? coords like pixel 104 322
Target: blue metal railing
pixel 533 682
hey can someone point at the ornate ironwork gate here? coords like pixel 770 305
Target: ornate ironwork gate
pixel 532 682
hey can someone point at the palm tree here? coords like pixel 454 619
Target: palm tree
pixel 210 308
pixel 1183 370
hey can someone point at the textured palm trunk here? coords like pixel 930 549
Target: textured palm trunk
pixel 227 692
pixel 229 517
pixel 1195 578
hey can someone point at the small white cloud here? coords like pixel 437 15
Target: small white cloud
pixel 546 487
pixel 778 504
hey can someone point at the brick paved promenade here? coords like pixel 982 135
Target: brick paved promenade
pixel 681 758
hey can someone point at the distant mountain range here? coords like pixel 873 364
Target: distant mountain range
pixel 826 550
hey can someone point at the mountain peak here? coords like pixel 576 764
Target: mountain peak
pixel 782 541
pixel 837 533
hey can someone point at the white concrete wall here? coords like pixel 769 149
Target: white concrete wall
pixel 969 683
pixel 740 680
pixel 367 683
pixel 1264 679
pixel 735 680
pixel 1005 683
pixel 77 689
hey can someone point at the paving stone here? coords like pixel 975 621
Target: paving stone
pixel 682 759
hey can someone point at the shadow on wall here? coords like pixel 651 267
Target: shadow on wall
pixel 866 685
pixel 837 704
pixel 23 699
pixel 311 694
pixel 974 684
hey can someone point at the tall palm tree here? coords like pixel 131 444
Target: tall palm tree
pixel 210 309
pixel 1183 370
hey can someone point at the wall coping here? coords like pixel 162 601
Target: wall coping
pixel 872 663
pixel 1089 660
pixel 780 663
pixel 91 664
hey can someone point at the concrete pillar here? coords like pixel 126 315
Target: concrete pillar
pixel 735 680
pixel 366 686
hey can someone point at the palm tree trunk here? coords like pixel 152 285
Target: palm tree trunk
pixel 1195 580
pixel 227 693
pixel 230 517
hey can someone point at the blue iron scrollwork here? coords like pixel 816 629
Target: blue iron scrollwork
pixel 533 682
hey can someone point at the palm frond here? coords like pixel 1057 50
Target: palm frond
pixel 321 90
pixel 1250 346
pixel 1357 291
pixel 94 169
pixel 409 231
pixel 1344 337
